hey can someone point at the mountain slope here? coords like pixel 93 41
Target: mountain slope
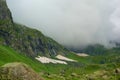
pixel 72 71
pixel 23 39
pixel 8 55
pixel 17 42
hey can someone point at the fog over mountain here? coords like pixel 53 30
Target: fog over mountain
pixel 72 23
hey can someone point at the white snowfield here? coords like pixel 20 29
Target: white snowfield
pixel 54 61
pixel 64 58
pixel 82 54
pixel 49 60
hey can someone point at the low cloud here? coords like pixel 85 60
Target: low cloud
pixel 71 23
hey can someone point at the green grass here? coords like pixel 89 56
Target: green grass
pixel 84 60
pixel 86 66
pixel 8 55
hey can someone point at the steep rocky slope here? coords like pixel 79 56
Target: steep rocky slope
pixel 29 41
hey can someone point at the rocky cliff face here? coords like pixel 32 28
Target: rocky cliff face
pixel 29 41
pixel 6 22
pixel 5 15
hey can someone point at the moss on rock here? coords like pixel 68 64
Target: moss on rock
pixel 18 71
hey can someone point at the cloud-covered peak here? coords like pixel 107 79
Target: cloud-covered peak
pixel 71 23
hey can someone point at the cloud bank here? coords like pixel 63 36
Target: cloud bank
pixel 72 23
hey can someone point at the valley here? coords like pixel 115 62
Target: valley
pixel 90 67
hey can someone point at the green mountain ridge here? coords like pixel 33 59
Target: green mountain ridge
pixel 23 39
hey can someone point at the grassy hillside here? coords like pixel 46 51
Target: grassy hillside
pixel 86 68
pixel 8 55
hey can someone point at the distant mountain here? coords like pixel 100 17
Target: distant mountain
pixel 29 41
pixel 95 49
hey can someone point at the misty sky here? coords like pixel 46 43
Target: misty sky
pixel 71 22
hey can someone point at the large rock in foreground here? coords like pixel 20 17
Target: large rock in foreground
pixel 18 71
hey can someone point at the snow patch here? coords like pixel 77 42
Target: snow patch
pixel 49 60
pixel 82 54
pixel 64 58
